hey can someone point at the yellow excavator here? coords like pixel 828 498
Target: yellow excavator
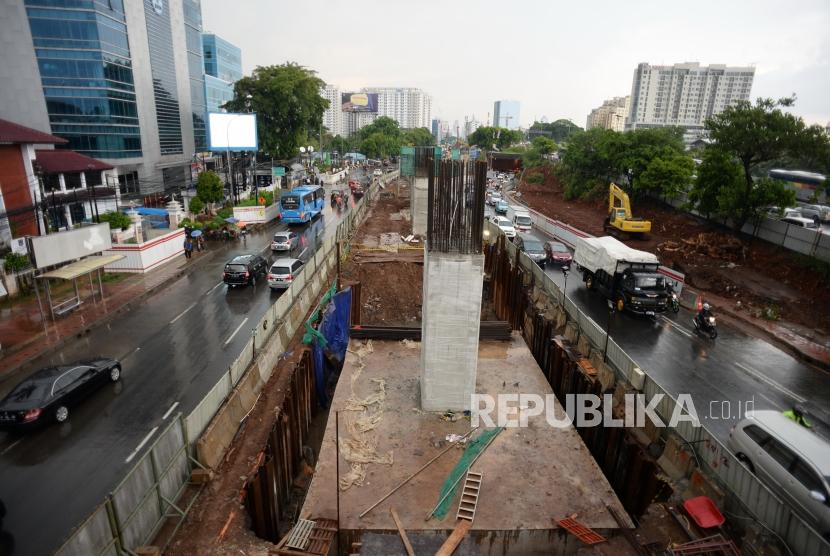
pixel 619 221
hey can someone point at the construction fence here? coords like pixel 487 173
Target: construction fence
pixel 746 496
pixel 806 241
pixel 141 504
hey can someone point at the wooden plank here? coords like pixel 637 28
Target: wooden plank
pixel 406 544
pixel 455 538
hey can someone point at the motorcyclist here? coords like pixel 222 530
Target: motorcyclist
pixel 796 413
pixel 704 314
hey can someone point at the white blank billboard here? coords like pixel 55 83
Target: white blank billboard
pixel 232 132
pixel 67 246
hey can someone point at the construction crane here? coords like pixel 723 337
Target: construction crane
pixel 620 221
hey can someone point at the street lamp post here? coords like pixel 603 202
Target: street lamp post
pixel 565 269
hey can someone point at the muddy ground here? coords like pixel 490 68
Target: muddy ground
pixel 391 292
pixel 767 281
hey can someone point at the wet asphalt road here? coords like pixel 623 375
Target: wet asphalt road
pixel 173 349
pixel 724 377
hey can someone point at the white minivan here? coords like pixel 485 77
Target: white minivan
pixel 790 459
pixel 802 222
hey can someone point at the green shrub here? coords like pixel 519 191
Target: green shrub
pixel 196 205
pixel 225 212
pixel 117 220
pixel 538 179
pixel 15 262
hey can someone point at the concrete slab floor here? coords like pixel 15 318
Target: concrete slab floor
pixel 530 475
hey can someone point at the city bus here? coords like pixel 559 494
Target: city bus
pixel 301 204
pixel 808 186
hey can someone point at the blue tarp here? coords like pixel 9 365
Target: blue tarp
pixel 335 331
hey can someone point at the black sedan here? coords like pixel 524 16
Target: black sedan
pixel 50 393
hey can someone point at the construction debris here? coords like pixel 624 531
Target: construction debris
pixel 406 544
pixel 580 531
pixel 316 541
pixel 711 244
pixel 713 545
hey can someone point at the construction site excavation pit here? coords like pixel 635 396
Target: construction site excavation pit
pixel 531 476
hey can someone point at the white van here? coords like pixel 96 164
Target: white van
pixel 791 460
pixel 802 222
pixel 520 217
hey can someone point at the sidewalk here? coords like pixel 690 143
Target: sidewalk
pixel 24 335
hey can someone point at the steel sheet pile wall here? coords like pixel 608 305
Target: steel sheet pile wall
pixel 268 492
pixel 512 277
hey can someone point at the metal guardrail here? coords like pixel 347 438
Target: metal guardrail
pixel 132 514
pixel 745 492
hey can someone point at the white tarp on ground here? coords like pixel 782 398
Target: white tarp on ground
pixel 605 252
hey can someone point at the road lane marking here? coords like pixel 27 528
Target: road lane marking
pixel 183 313
pixel 141 445
pixel 133 352
pixel 771 382
pixel 10 446
pixel 169 411
pixel 676 326
pixel 241 324
pixel 213 288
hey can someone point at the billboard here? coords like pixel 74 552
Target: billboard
pixel 232 132
pixel 359 102
pixel 67 246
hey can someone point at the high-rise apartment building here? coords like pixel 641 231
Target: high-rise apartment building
pixel 333 116
pixel 611 115
pixel 506 114
pixel 410 107
pixel 121 81
pixel 685 95
pixel 223 68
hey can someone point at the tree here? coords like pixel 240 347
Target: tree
pixel 418 137
pixel 209 188
pixel 196 205
pixel 383 125
pixel 498 138
pixel 341 144
pixel 753 135
pixel 543 145
pixel 669 175
pixel 379 145
pixel 117 220
pixel 560 130
pixel 287 101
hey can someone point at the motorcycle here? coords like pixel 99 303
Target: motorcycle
pixel 706 326
pixel 675 303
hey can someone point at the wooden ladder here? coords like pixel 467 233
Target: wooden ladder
pixel 469 496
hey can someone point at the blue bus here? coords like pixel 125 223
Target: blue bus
pixel 301 204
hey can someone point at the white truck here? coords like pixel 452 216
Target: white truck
pixel 520 217
pixel 626 276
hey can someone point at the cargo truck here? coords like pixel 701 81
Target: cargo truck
pixel 626 276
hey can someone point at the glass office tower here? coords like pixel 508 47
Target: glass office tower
pixel 86 71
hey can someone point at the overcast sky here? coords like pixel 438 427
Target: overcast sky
pixel 558 59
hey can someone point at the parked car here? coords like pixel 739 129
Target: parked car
pixel 802 222
pixel 557 253
pixel 50 393
pixel 285 241
pixel 790 459
pixel 819 213
pixel 532 247
pixel 243 270
pixel 505 225
pixel 501 207
pixel 282 273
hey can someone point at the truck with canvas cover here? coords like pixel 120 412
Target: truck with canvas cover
pixel 626 276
